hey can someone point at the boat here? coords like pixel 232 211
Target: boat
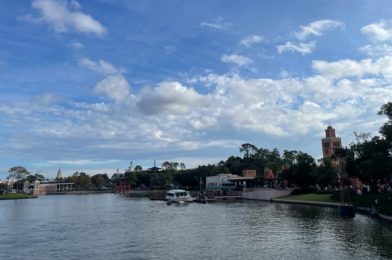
pixel 178 196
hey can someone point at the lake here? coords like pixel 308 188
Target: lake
pixel 107 226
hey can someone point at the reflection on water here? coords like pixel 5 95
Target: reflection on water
pixel 105 226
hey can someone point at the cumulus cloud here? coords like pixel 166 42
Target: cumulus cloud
pixel 115 87
pixel 379 32
pixel 100 66
pixel 170 97
pixel 181 118
pixel 250 40
pixel 303 48
pixel 317 28
pixel 65 16
pixel 236 59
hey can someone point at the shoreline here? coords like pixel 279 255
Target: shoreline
pixel 17 196
pixel 359 210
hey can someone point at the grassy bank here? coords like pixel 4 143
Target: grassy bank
pixel 16 196
pixel 314 197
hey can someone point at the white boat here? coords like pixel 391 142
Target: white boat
pixel 178 196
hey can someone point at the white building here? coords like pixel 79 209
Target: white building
pixel 220 181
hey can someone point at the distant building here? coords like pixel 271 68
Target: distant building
pixel 154 168
pixel 117 176
pixel 220 181
pixel 59 176
pixel 230 181
pixel 329 144
pixel 249 173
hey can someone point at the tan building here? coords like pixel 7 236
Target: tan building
pixel 330 143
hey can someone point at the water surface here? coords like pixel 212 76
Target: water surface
pixel 106 226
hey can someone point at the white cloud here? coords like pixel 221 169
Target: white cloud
pixel 236 59
pixel 218 24
pixel 250 40
pixel 316 28
pixel 379 32
pixel 303 48
pixel 115 87
pixel 76 45
pixel 64 16
pixel 46 99
pixel 100 66
pixel 170 97
pixel 378 50
pixel 380 68
pixel 183 120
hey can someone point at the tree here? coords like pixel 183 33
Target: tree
pixel 248 149
pixel 167 165
pixel 326 174
pixel 370 159
pixel 138 168
pixel 233 164
pixel 182 166
pixel 19 173
pixel 386 129
pixel 302 170
pixel 35 177
pixel 274 162
pixel 100 180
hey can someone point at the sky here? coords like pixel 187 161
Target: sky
pixel 93 85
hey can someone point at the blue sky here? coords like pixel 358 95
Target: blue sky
pixel 91 85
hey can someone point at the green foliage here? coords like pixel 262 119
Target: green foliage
pixel 249 150
pixel 370 159
pixel 81 180
pixel 300 170
pixel 172 166
pixel 100 181
pixel 18 172
pixel 35 177
pixel 326 174
pixel 138 168
pixel 2 188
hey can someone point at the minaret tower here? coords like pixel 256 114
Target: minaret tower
pixel 330 143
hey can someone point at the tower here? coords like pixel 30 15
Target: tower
pixel 59 175
pixel 330 143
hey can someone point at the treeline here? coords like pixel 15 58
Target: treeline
pixel 296 167
pixel 369 159
pixel 83 181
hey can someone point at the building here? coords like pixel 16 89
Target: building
pixel 53 187
pixel 59 176
pixel 220 181
pixel 329 144
pixel 230 181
